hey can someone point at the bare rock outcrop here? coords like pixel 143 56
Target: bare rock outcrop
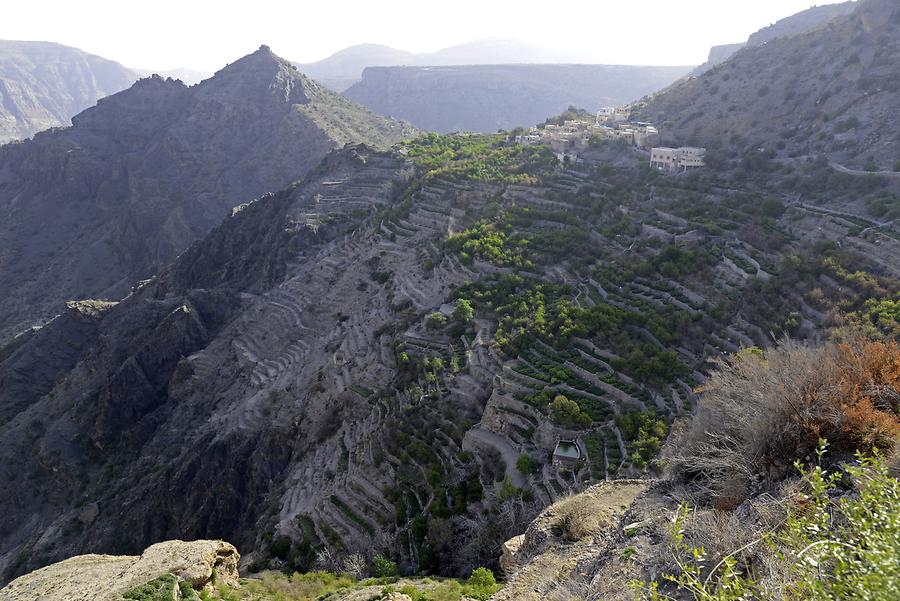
pixel 107 577
pixel 565 539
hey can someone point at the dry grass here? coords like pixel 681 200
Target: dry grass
pixel 578 518
pixel 761 413
pixel 583 515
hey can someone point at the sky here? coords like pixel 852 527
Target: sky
pixel 206 34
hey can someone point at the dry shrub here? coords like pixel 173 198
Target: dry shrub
pixel 578 517
pixel 760 413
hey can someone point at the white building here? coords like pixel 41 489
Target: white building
pixel 677 160
pixel 605 114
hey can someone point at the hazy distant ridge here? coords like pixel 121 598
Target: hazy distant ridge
pixel 489 97
pixel 43 85
pixel 345 67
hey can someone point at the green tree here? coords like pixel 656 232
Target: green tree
pixel 463 311
pixel 527 465
pixel 566 412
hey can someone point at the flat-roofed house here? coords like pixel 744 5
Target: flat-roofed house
pixel 677 160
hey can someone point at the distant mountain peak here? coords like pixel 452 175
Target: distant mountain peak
pixel 261 71
pixel 146 171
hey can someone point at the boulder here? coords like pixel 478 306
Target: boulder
pixel 107 577
pixel 509 549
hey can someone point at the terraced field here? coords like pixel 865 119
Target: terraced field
pixel 652 290
pixel 453 313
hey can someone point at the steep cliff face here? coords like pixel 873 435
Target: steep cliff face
pixel 828 91
pixel 490 97
pixel 154 397
pixel 89 210
pixel 717 56
pixel 43 85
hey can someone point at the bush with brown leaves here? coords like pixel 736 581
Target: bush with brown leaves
pixel 761 412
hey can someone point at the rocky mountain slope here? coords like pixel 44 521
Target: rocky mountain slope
pixel 801 22
pixel 383 357
pixel 43 85
pixel 490 97
pixel 828 91
pixel 87 211
pixel 345 67
pixel 804 21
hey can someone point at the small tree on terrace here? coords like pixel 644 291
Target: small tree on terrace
pixel 463 312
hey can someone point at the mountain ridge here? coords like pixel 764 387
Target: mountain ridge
pixel 44 84
pixel 345 67
pixel 823 92
pixel 485 98
pixel 148 170
pixel 801 22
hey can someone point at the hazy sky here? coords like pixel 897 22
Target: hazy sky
pixel 206 34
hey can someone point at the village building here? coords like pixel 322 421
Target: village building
pixel 613 115
pixel 604 114
pixel 573 136
pixel 677 160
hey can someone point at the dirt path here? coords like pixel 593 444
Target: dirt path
pixel 509 454
pixel 848 171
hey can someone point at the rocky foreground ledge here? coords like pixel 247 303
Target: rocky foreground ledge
pixel 108 577
pixel 576 540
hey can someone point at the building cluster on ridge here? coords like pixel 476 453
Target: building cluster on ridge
pixel 574 136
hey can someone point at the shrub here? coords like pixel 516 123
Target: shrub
pixel 833 545
pixel 481 584
pixel 435 321
pixel 759 414
pixel 645 433
pixel 527 465
pixel 843 546
pixel 383 567
pixel 159 589
pixel 508 490
pixel 275 585
pixel 581 515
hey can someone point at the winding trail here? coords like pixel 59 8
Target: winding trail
pixel 509 454
pixel 848 171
